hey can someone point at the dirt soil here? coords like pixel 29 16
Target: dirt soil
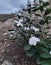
pixel 9 50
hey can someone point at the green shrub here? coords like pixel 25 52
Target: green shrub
pixel 33 38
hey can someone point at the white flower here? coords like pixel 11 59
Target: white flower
pixel 50 52
pixel 34 28
pixel 19 13
pixel 47 36
pixel 26 28
pixel 45 0
pixel 19 24
pixel 33 40
pixel 20 20
pixel 44 8
pixel 15 21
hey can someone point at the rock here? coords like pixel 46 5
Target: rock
pixel 3 50
pixel 5 34
pixel 1 57
pixel 6 63
pixel 8 45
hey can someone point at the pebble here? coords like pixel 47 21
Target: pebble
pixel 1 57
pixel 2 50
pixel 8 45
pixel 6 63
pixel 5 34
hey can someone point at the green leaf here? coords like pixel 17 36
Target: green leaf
pixel 45 4
pixel 49 45
pixel 37 25
pixel 41 8
pixel 27 47
pixel 48 17
pixel 46 20
pixel 40 1
pixel 35 9
pixel 47 12
pixel 45 55
pixel 11 31
pixel 37 14
pixel 30 52
pixel 44 50
pixel 42 61
pixel 42 22
pixel 45 62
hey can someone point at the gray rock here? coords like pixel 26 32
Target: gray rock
pixel 1 57
pixel 6 63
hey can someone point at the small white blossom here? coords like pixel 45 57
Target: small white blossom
pixel 26 28
pixel 19 24
pixel 44 8
pixel 47 36
pixel 15 21
pixel 19 13
pixel 50 52
pixel 20 20
pixel 34 28
pixel 33 40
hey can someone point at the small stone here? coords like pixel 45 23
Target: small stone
pixel 5 39
pixel 15 57
pixel 1 57
pixel 5 34
pixel 26 62
pixel 18 63
pixel 2 50
pixel 8 50
pixel 6 63
pixel 8 45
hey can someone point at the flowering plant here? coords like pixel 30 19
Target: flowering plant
pixel 31 35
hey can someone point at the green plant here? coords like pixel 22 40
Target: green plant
pixel 33 38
